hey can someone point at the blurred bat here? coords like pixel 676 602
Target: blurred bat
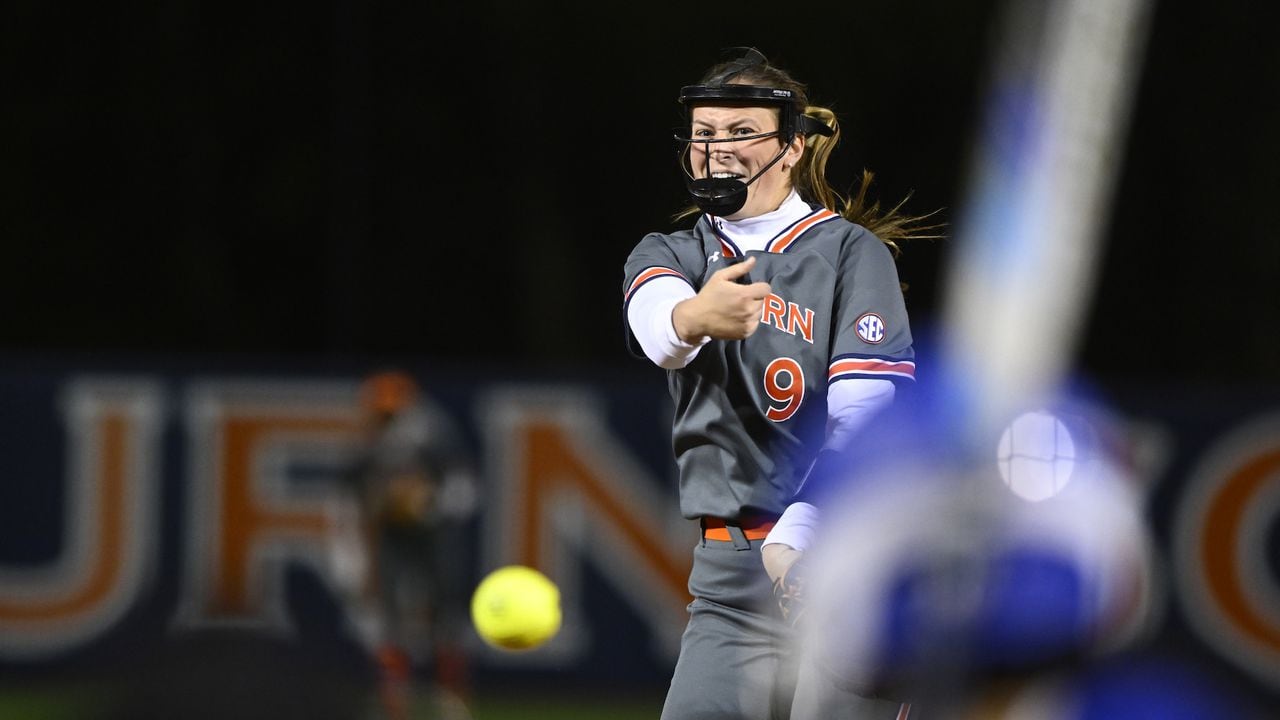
pixel 933 570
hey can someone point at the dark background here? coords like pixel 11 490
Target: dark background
pixel 464 180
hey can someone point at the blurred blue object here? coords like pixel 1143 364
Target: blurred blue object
pixel 1158 686
pixel 1029 610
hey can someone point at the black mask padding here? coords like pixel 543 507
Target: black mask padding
pixel 718 196
pixel 723 196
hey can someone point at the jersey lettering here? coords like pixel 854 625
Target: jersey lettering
pixel 784 384
pixel 788 317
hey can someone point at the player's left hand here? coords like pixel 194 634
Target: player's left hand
pixel 786 569
pixel 777 557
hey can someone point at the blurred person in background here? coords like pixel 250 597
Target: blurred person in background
pixel 415 486
pixel 1011 580
pixel 780 320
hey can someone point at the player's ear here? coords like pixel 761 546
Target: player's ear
pixel 794 151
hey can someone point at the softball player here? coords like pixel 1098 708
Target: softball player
pixel 416 488
pixel 780 320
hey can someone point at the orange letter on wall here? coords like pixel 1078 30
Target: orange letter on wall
pixel 110 534
pixel 566 489
pixel 1225 582
pixel 248 515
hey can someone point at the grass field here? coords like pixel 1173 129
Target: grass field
pixel 97 702
pixel 566 709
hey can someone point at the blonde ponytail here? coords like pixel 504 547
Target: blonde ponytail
pixel 809 177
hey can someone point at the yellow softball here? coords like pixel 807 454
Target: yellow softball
pixel 516 608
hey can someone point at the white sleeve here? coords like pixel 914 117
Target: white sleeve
pixel 649 315
pixel 850 404
pixel 796 527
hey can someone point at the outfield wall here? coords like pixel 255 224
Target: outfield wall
pixel 143 500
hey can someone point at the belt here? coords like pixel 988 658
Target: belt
pixel 754 528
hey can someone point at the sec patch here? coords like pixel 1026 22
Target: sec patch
pixel 870 327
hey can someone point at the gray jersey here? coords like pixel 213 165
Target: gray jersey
pixel 750 415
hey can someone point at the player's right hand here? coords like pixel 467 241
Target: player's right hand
pixel 724 309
